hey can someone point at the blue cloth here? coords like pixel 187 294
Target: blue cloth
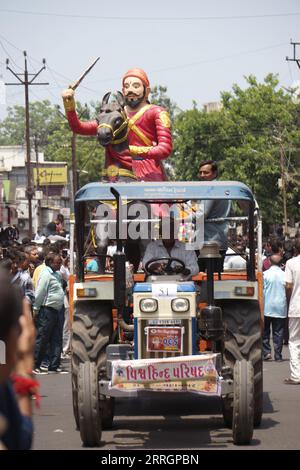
pixel 275 304
pixel 18 435
pixel 92 266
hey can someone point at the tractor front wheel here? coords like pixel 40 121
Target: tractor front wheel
pixel 243 402
pixel 88 405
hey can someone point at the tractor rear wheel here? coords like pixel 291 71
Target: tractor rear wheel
pixel 243 340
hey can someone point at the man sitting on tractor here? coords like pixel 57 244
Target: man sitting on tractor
pixel 160 251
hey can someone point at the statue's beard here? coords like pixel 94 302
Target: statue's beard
pixel 134 103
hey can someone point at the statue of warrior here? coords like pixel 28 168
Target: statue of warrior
pixel 148 137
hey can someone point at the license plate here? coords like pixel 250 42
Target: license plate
pixel 161 339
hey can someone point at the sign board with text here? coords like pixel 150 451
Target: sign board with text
pixel 52 175
pixel 196 374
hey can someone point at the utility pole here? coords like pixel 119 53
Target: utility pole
pixel 283 180
pixel 36 149
pixel 294 59
pixel 283 188
pixel 75 177
pixel 74 164
pixel 39 214
pixel 26 82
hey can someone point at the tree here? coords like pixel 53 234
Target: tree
pixel 159 97
pixel 43 120
pixel 50 133
pixel 89 154
pixel 243 138
pixel 197 137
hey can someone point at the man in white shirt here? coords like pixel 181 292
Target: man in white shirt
pixel 292 272
pixel 232 261
pixel 171 248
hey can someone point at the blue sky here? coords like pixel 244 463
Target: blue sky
pixel 195 48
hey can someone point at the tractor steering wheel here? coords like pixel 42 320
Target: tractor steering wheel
pixel 167 268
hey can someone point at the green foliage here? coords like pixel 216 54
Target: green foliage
pixel 159 97
pixel 255 137
pixel 42 117
pixel 50 132
pixel 256 127
pixel 89 154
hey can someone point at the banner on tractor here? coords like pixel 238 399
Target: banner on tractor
pixel 196 374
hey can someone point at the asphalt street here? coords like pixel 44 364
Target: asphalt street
pixel 180 422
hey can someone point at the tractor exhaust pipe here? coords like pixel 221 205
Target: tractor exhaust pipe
pixel 210 321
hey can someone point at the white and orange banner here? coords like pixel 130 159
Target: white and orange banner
pixel 180 374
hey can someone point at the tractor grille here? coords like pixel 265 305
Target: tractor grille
pixel 144 354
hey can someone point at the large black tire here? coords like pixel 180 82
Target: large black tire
pixel 243 402
pixel 92 331
pixel 243 340
pixel 88 405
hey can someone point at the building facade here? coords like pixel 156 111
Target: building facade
pixel 51 190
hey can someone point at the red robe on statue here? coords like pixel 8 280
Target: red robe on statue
pixel 149 139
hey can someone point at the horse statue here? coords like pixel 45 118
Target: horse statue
pixel 112 134
pixel 112 122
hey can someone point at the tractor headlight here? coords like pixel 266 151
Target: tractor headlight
pixel 180 305
pixel 148 305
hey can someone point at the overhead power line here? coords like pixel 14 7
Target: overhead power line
pixel 163 69
pixel 8 55
pixel 151 18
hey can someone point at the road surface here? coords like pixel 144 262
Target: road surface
pixel 180 423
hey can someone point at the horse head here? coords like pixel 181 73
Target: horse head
pixel 112 120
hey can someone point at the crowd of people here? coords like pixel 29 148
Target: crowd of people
pixel 281 268
pixel 36 333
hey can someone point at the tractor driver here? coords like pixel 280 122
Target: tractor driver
pixel 170 247
pixel 149 136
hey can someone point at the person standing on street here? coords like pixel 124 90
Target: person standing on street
pixel 277 249
pixel 292 279
pixel 275 308
pixel 17 386
pixel 20 276
pixel 49 300
pixel 66 336
pixel 214 231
